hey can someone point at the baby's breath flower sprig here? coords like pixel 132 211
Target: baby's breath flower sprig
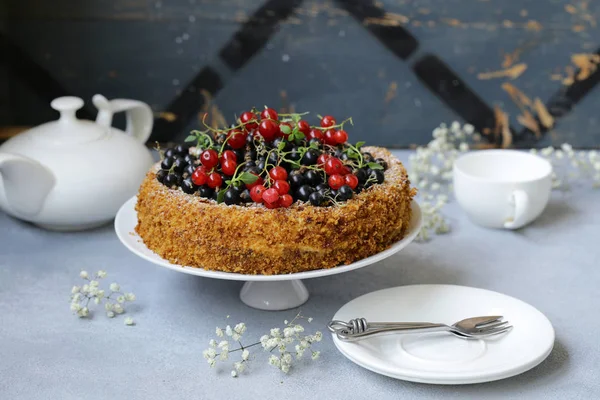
pixel 291 337
pixel 570 166
pixel 114 302
pixel 431 169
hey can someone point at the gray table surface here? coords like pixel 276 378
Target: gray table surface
pixel 47 353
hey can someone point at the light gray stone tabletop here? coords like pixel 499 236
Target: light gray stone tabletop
pixel 48 353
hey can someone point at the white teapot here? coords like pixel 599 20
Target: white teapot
pixel 74 174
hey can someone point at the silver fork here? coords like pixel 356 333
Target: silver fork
pixel 470 328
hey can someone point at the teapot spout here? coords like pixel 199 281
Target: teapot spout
pixel 25 182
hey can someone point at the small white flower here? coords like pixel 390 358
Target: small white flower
pixel 75 307
pixel 285 368
pixel 315 355
pixel 285 321
pixel 286 358
pixel 228 330
pixel 83 274
pixel 240 328
pixel 234 374
pixel 97 300
pixel 435 186
pixel 129 296
pixel 559 154
pixel 118 309
pixel 209 353
pixel 114 287
pixel 212 362
pixel 110 314
pixel 567 148
pixel 463 147
pixel 318 336
pixel 224 344
pixel 468 129
pixel 121 299
pixel 289 331
pixel 100 294
pixel 75 289
pixel 275 332
pixel 282 348
pixel 299 328
pixel 212 343
pixel 264 339
pixel 245 354
pixel 84 312
pixel 101 274
pixel 236 336
pixel 224 355
pixel 129 321
pixel 274 360
pixel 94 283
pixel 310 319
pixel 219 332
pixel 108 306
pixel 239 366
pixel 76 297
pixel 85 288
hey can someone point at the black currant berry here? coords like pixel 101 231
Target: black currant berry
pixel 245 196
pixel 232 196
pixel 312 178
pixel 273 158
pixel 161 175
pixel 310 157
pixel 189 170
pixel 239 153
pixel 260 164
pixel 172 180
pixel 321 186
pixel 254 170
pixel 181 149
pixel 250 139
pixel 169 153
pixel 295 179
pixel 190 159
pixel 188 186
pixel 249 164
pixel 345 192
pixel 304 192
pixel 367 157
pixel 294 154
pixel 205 191
pixel 344 157
pixel 377 174
pixel 382 162
pixel 316 198
pixel 179 164
pixel 167 163
pixel 361 174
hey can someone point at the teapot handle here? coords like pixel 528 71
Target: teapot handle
pixel 139 115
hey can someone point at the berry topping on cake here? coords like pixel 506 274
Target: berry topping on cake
pixel 272 159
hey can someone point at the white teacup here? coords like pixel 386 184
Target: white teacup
pixel 502 188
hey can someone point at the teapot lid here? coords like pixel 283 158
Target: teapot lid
pixel 68 129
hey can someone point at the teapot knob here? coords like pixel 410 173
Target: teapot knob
pixel 67 106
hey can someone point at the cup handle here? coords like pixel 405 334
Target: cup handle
pixel 521 202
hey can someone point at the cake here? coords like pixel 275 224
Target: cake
pixel 273 195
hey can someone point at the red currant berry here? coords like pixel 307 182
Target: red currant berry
pixel 214 180
pixel 303 127
pixel 286 200
pixel 268 129
pixel 272 205
pixel 209 158
pixel 199 176
pixel 322 159
pixel 340 136
pixel 282 187
pixel 327 121
pixel 228 167
pixel 351 180
pixel 278 174
pixel 236 139
pixel 249 120
pixel 257 182
pixel 329 137
pixel 285 135
pixel 345 170
pixel 315 134
pixel 336 181
pixel 270 195
pixel 228 155
pixel 256 193
pixel 333 166
pixel 269 113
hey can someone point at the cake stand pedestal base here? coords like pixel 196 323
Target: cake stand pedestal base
pixel 274 296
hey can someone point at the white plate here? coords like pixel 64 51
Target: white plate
pixel 126 221
pixel 443 358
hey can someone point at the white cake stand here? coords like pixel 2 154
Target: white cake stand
pixel 265 292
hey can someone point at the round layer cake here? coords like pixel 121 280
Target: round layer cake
pixel 191 230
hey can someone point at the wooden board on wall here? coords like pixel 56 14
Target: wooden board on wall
pixel 321 57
